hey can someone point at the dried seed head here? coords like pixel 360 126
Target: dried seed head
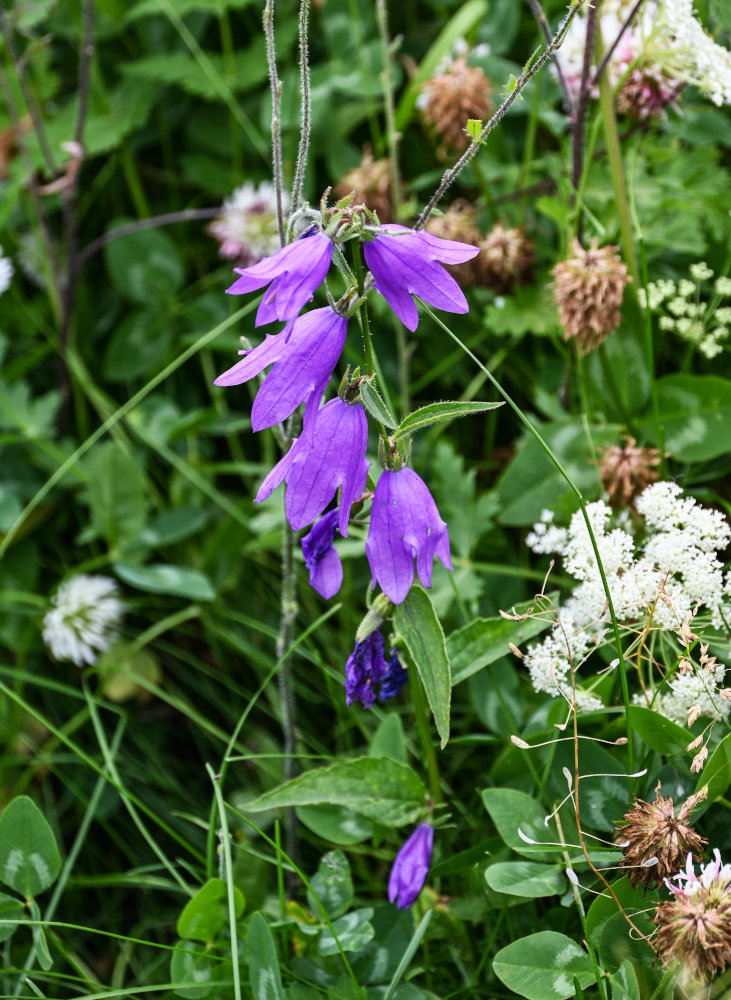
pixel 588 288
pixel 653 830
pixel 371 181
pixel 451 98
pixel 626 470
pixel 458 223
pixel 507 259
pixel 694 927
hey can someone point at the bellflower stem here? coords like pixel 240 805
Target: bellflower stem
pixel 582 504
pixel 276 88
pixel 299 174
pixel 422 714
pixel 365 323
pixel 392 133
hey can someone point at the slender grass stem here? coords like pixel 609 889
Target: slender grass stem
pixel 392 134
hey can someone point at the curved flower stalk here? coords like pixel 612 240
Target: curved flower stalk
pixel 405 262
pixel 293 274
pixel 303 356
pixel 405 524
pixel 330 453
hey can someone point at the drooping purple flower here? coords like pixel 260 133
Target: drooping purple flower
pixel 329 453
pixel 321 558
pixel 394 678
pixel 364 669
pixel 410 867
pixel 303 356
pixel 405 523
pixel 409 263
pixel 293 273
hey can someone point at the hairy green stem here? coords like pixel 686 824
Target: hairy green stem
pixel 276 89
pixel 392 135
pixel 304 145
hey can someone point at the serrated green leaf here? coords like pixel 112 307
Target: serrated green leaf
pixel 32 416
pixel 543 966
pixel 376 406
pixel 379 788
pixel 206 913
pixel 436 413
pixel 29 858
pixel 264 975
pixel 161 578
pixel 416 621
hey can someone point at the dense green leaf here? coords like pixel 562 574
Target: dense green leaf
pixel 353 931
pixel 191 963
pixel 336 823
pixel 436 413
pixel 207 912
pixel 379 788
pixel 264 975
pixel 29 858
pixel 416 621
pixel 389 740
pixel 144 267
pixel 695 415
pixel 332 885
pixel 525 878
pixel 161 578
pixel 512 811
pixel 543 966
pixel 624 982
pixel 116 495
pixel 657 732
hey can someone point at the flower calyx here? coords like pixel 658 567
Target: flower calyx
pixel 379 610
pixel 390 456
pixel 349 388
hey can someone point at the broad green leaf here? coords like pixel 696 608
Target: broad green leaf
pixel 115 494
pixel 511 810
pixel 376 406
pixel 332 885
pixel 621 376
pixel 191 963
pixel 543 966
pixel 336 823
pixel 144 267
pixel 139 345
pixel 695 413
pixel 160 578
pixel 717 771
pixel 29 858
pixel 618 943
pixel 380 788
pixel 172 526
pixel 206 913
pixel 624 982
pixel 633 900
pixel 123 109
pixel 416 621
pixel 657 732
pixel 525 878
pixel 486 639
pixel 436 413
pixel 264 975
pixel 11 910
pixel 389 740
pixel 353 931
pixel 379 960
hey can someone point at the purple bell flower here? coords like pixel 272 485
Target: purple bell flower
pixel 321 558
pixel 405 523
pixel 293 273
pixel 303 356
pixel 364 669
pixel 409 263
pixel 394 678
pixel 329 453
pixel 410 867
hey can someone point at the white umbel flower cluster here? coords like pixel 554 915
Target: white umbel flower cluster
pixel 247 227
pixel 83 621
pixel 700 59
pixel 666 569
pixel 6 272
pixel 690 310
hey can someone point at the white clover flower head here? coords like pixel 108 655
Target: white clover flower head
pixel 715 874
pixel 6 272
pixel 83 619
pixel 247 228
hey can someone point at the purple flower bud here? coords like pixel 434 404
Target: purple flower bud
pixel 329 453
pixel 321 559
pixel 394 678
pixel 408 263
pixel 405 523
pixel 364 669
pixel 293 273
pixel 303 356
pixel 410 867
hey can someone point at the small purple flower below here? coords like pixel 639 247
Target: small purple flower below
pixel 321 558
pixel 303 356
pixel 364 669
pixel 405 523
pixel 394 678
pixel 329 453
pixel 409 263
pixel 410 867
pixel 293 273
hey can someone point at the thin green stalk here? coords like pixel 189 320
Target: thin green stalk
pixel 421 711
pixel 392 134
pixel 305 127
pixel 605 585
pixel 276 89
pixel 229 871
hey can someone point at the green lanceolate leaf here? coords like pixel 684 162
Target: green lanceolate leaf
pixel 717 772
pixel 417 623
pixel 436 413
pixel 161 578
pixel 379 788
pixel 264 974
pixel 543 966
pixel 375 405
pixel 206 913
pixel 29 858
